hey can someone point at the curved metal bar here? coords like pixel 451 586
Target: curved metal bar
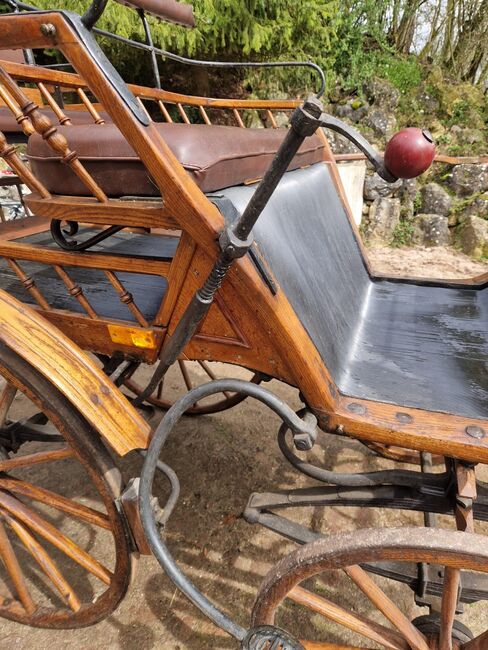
pixel 97 4
pixel 376 159
pixel 221 64
pixel 150 465
pixel 174 483
pixel 391 477
pixel 93 13
pixel 59 236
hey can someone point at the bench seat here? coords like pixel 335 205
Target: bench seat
pixel 215 156
pixel 409 343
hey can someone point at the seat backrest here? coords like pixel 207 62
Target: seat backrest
pixel 307 240
pixel 411 343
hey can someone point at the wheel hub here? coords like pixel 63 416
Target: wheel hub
pixel 267 637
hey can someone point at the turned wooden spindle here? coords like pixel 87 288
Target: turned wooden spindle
pixel 203 113
pixel 164 111
pixel 9 153
pixel 29 285
pixel 76 291
pixel 238 117
pixel 56 140
pixel 271 118
pixel 184 116
pixel 21 119
pixel 126 298
pixel 55 107
pixel 90 108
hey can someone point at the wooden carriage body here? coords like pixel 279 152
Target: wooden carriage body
pixel 129 294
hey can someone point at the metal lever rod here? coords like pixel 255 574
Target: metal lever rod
pixel 375 158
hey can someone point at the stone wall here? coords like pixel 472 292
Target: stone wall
pixel 442 208
pixel 446 206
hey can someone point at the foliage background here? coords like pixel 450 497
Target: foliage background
pixel 434 49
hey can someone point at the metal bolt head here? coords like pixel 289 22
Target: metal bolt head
pixel 404 418
pixel 48 29
pixel 475 432
pixel 354 407
pixel 303 441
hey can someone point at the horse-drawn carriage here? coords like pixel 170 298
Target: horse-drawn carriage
pixel 154 240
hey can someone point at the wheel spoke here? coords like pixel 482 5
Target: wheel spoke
pixel 84 513
pixel 23 513
pixel 12 565
pixel 35 459
pixel 452 579
pixel 160 390
pixel 213 376
pixel 479 643
pixel 45 562
pixel 355 622
pixel 387 607
pixel 7 396
pixel 184 372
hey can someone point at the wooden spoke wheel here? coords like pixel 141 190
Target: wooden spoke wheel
pixel 322 596
pixel 184 376
pixel 64 552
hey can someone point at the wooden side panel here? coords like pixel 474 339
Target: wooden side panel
pixel 230 332
pixel 73 373
pixel 106 337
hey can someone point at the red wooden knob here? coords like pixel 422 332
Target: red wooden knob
pixel 409 153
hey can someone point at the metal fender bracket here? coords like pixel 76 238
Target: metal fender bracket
pixel 129 502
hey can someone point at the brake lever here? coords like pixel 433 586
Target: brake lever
pixel 408 154
pixel 329 122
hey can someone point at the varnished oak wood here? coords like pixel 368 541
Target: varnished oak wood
pixel 478 643
pixel 14 570
pixel 116 212
pixel 452 579
pixel 51 534
pixel 365 627
pixel 287 348
pixel 45 563
pixel 95 336
pixel 102 261
pixel 38 458
pixel 73 373
pixel 36 493
pixel 387 607
pixel 7 396
pixel 317 645
pixel 18 228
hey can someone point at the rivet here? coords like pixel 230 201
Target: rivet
pixel 354 407
pixel 475 432
pixel 48 29
pixel 404 418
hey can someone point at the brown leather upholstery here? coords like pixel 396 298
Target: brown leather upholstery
pixel 169 10
pixel 216 157
pixel 9 125
pixel 14 56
